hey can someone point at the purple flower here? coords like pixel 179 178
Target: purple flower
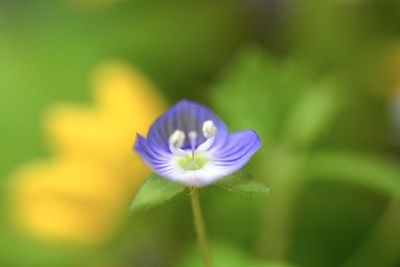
pixel 189 144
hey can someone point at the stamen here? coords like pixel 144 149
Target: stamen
pixel 206 145
pixel 209 132
pixel 209 129
pixel 176 141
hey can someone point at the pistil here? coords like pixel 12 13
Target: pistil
pixel 192 138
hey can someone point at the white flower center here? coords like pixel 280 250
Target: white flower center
pixel 192 159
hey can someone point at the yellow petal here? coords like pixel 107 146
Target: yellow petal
pixel 67 200
pixel 126 103
pixel 125 95
pixel 83 193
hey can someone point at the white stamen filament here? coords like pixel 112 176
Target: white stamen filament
pixel 206 145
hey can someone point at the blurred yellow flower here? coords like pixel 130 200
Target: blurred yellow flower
pixel 126 104
pixel 83 192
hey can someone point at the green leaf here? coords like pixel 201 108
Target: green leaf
pixel 156 190
pixel 379 174
pixel 243 183
pixel 312 114
pixel 276 86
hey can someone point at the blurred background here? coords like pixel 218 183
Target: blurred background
pixel 318 80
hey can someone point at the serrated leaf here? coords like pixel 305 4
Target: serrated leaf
pixel 243 182
pixel 155 191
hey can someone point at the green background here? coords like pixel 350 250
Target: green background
pixel 308 76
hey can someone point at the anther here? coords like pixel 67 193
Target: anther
pixel 209 132
pixel 177 139
pixel 209 129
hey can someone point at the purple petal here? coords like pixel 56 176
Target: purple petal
pixel 238 149
pixel 162 164
pixel 158 160
pixel 185 116
pixel 225 156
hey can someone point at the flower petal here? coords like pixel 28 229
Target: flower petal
pixel 186 116
pixel 164 165
pixel 156 159
pixel 238 149
pixel 222 156
pixel 234 155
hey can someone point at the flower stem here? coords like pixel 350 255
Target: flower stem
pixel 199 225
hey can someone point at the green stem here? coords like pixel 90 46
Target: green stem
pixel 277 218
pixel 199 225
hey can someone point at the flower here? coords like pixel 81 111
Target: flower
pixel 189 144
pixel 67 200
pixel 126 102
pixel 81 193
